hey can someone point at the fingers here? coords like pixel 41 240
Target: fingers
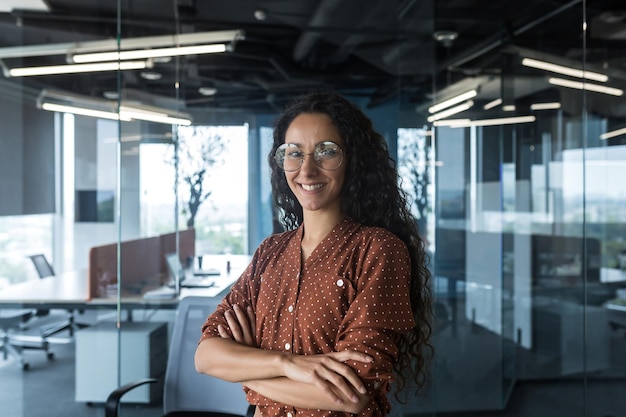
pixel 338 380
pixel 345 379
pixel 223 333
pixel 347 355
pixel 245 323
pixel 241 325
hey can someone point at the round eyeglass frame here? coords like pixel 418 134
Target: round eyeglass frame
pixel 279 156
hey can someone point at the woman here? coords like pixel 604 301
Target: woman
pixel 330 312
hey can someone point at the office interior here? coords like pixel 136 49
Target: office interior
pixel 507 122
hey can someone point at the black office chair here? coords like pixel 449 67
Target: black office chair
pixel 12 342
pixel 186 392
pixel 67 322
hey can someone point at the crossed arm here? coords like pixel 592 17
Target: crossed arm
pixel 326 380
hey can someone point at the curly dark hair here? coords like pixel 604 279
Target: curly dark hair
pixel 372 196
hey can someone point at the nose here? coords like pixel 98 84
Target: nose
pixel 308 164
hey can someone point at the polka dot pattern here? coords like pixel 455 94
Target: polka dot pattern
pixel 352 293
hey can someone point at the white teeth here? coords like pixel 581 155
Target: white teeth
pixel 312 187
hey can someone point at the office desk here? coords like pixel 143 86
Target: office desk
pixel 70 290
pixel 66 290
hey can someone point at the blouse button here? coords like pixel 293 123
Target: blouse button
pixel 340 283
pixel 290 309
pixel 289 414
pixel 287 346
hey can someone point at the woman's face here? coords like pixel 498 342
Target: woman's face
pixel 316 189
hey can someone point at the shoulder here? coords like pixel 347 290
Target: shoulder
pixel 375 234
pixel 378 241
pixel 278 239
pixel 275 243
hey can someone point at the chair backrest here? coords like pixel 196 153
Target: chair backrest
pixel 43 267
pixel 185 389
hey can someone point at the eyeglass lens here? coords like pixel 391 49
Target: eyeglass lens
pixel 327 155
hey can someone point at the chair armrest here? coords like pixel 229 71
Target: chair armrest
pixel 113 400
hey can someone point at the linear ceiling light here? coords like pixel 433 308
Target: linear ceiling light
pixel 486 122
pixel 586 86
pixel 492 104
pixel 613 133
pixel 546 106
pixel 452 110
pixel 452 101
pixel 149 116
pixel 149 53
pixel 572 72
pixel 453 123
pixel 108 109
pixel 163 41
pixel 101 114
pixel 74 69
pixel 503 121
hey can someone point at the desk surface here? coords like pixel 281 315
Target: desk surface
pixel 71 289
pixel 616 304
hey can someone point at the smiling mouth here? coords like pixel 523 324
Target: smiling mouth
pixel 311 187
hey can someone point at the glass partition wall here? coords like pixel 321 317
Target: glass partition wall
pixel 524 218
pixel 518 195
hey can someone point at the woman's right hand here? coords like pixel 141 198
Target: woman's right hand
pixel 329 372
pixel 241 326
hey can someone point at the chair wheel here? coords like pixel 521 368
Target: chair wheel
pixel 25 367
pixel 50 356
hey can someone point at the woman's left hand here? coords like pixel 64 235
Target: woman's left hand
pixel 241 326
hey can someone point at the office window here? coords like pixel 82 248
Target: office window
pixel 21 236
pixel 221 222
pixel 416 173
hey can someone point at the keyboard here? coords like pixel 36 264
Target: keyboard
pixel 197 282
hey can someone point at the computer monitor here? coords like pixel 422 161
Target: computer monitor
pixel 174 268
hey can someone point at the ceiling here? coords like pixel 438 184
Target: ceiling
pixel 383 50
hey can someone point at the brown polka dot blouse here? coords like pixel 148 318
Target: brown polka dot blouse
pixel 351 293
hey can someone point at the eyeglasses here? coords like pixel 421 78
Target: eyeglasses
pixel 327 155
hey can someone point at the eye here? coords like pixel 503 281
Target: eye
pixel 293 153
pixel 327 150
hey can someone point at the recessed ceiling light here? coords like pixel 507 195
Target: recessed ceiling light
pixel 207 91
pixel 260 14
pixel 150 75
pixel 111 95
pixel 446 37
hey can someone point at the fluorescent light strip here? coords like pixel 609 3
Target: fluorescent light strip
pixel 149 53
pixel 545 106
pixel 163 41
pixel 125 115
pixel 453 123
pixel 503 121
pixel 586 86
pixel 492 104
pixel 452 110
pixel 485 122
pixel 75 68
pixel 510 107
pixel 83 111
pixel 151 117
pixel 139 111
pixel 573 72
pixel 452 101
pixel 613 133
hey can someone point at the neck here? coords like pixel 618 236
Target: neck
pixel 318 224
